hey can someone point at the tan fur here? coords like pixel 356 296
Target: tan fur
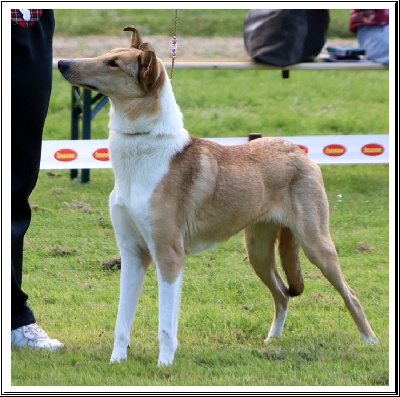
pixel 213 192
pixel 97 72
pixel 200 193
pixel 289 253
pixel 224 189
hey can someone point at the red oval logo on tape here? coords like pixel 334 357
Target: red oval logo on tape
pixel 334 149
pixel 101 154
pixel 372 149
pixel 65 155
pixel 303 148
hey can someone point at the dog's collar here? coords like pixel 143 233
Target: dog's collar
pixel 140 133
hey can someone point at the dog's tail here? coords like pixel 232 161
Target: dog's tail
pixel 289 253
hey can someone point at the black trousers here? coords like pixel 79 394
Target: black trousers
pixel 31 80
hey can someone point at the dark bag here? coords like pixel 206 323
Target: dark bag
pixel 285 37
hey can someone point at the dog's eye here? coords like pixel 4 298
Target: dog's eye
pixel 112 63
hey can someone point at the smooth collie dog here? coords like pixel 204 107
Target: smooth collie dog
pixel 175 195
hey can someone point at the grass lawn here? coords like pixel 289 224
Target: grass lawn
pixel 191 22
pixel 235 103
pixel 226 311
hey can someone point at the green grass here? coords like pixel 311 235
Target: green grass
pixel 226 311
pixel 191 22
pixel 236 103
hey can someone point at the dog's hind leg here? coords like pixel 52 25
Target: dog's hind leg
pixel 321 251
pixel 313 235
pixel 260 241
pixel 134 263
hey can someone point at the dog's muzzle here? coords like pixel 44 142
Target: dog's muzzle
pixel 64 65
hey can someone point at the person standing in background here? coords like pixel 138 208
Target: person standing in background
pixel 372 29
pixel 31 82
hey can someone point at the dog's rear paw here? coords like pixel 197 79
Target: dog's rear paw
pixel 271 338
pixel 371 339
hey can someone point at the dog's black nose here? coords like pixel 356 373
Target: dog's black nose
pixel 63 65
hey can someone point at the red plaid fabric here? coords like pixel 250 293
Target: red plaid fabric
pixel 25 17
pixel 368 17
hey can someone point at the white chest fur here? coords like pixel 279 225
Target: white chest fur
pixel 140 160
pixel 139 164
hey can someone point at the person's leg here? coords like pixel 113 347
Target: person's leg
pixel 375 41
pixel 31 79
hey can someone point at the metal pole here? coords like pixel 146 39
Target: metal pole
pixel 87 116
pixel 75 111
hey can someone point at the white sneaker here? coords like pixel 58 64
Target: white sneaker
pixel 33 336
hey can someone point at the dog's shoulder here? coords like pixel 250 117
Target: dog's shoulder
pixel 187 163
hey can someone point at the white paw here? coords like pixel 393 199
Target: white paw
pixel 165 360
pixel 271 338
pixel 373 340
pixel 117 357
pixel 168 347
pixel 164 363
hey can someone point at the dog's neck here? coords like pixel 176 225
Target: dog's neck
pixel 166 121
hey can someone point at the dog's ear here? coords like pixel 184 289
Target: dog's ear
pixel 149 69
pixel 146 47
pixel 136 40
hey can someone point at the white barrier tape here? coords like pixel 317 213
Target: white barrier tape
pixel 323 149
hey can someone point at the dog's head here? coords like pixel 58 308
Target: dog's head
pixel 123 73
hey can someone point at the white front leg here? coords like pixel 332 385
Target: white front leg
pixel 169 302
pixel 134 263
pixel 131 282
